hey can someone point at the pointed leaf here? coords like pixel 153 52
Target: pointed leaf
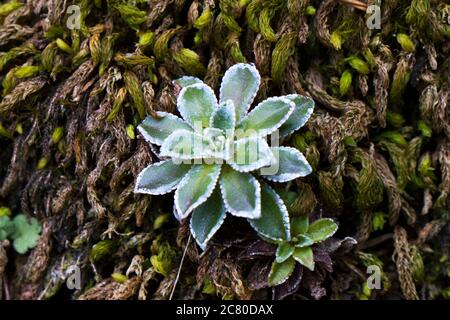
pixel 240 84
pixel 274 221
pixel 291 165
pixel 321 229
pixel 266 117
pixel 304 107
pixel 284 251
pixel 224 117
pixel 305 257
pixel 195 188
pixel 299 225
pixel 156 130
pixel 303 241
pixel 241 193
pixel 187 81
pixel 184 144
pixel 160 178
pixel 196 104
pixel 250 154
pixel 207 219
pixel 280 272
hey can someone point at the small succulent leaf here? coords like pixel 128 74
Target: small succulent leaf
pixel 299 225
pixel 291 165
pixel 266 117
pixel 156 130
pixel 240 84
pixel 187 81
pixel 241 193
pixel 280 272
pixel 196 104
pixel 207 219
pixel 284 251
pixel 184 144
pixel 195 188
pixel 321 229
pixel 305 257
pixel 303 110
pixel 250 154
pixel 26 233
pixel 274 221
pixel 303 241
pixel 160 178
pixel 224 117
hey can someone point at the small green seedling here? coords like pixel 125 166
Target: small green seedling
pixel 22 231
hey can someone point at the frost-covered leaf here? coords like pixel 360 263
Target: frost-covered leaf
pixel 241 193
pixel 250 154
pixel 26 233
pixel 305 257
pixel 280 272
pixel 195 188
pixel 160 178
pixel 266 117
pixel 240 84
pixel 196 104
pixel 284 251
pixel 207 219
pixel 187 81
pixel 303 110
pixel 321 229
pixel 291 165
pixel 184 144
pixel 156 130
pixel 299 225
pixel 274 221
pixel 224 117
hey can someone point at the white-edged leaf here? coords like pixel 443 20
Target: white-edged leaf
pixel 291 164
pixel 280 272
pixel 284 252
pixel 240 84
pixel 304 107
pixel 156 130
pixel 241 193
pixel 195 188
pixel 305 257
pixel 321 229
pixel 250 154
pixel 266 117
pixel 184 144
pixel 207 219
pixel 224 117
pixel 303 241
pixel 274 221
pixel 196 104
pixel 187 81
pixel 160 178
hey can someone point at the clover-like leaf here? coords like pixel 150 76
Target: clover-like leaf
pixel 156 129
pixel 321 229
pixel 184 144
pixel 207 219
pixel 6 228
pixel 266 117
pixel 250 154
pixel 240 84
pixel 280 272
pixel 26 233
pixel 224 117
pixel 291 165
pixel 284 251
pixel 304 107
pixel 241 193
pixel 187 81
pixel 160 178
pixel 274 221
pixel 196 104
pixel 195 188
pixel 305 257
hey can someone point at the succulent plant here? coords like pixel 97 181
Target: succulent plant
pixel 217 158
pixel 298 248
